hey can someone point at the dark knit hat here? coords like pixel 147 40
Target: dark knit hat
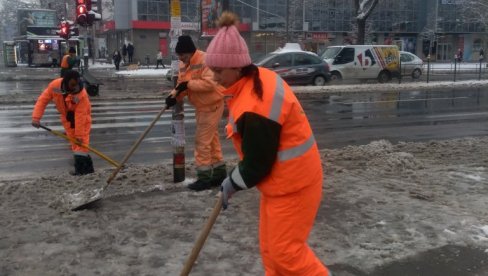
pixel 185 45
pixel 72 50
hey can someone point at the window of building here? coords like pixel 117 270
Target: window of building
pixel 153 10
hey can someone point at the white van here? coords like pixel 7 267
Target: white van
pixel 379 62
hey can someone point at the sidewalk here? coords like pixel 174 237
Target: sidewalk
pixel 101 71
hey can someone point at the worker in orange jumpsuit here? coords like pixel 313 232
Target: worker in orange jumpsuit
pixel 74 107
pixel 68 61
pixel 278 153
pixel 195 80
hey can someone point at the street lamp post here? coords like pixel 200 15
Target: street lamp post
pixel 287 21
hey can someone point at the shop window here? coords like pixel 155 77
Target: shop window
pixel 477 44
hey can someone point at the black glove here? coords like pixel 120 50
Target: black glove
pixel 170 101
pixel 182 86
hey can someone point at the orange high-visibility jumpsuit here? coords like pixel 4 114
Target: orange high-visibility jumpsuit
pixel 65 62
pixel 207 98
pixel 78 103
pixel 291 191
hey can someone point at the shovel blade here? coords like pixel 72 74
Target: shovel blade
pixel 89 205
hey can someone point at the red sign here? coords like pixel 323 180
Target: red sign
pixel 163 46
pixel 319 36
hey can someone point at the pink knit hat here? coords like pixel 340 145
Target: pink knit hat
pixel 228 49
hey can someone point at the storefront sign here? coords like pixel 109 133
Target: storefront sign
pixel 317 36
pixel 43 31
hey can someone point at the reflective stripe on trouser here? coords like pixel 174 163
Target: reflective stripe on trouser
pixel 74 147
pixel 207 142
pixel 284 226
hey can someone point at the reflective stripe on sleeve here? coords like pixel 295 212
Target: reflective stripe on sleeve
pixel 296 151
pixel 278 99
pixel 196 66
pixel 57 90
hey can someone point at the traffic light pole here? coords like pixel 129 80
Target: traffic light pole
pixel 85 49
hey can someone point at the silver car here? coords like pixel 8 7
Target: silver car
pixel 411 65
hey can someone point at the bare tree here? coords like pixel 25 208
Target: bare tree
pixel 363 9
pixel 107 10
pixel 8 17
pixel 474 11
pixel 58 6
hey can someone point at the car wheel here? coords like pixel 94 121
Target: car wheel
pixel 384 77
pixel 335 76
pixel 416 73
pixel 319 81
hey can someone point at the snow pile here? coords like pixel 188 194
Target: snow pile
pixel 381 202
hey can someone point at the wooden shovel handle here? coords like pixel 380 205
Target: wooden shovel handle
pixel 60 134
pixel 134 147
pixel 202 238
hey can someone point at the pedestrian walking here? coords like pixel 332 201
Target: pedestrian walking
pixel 195 81
pixel 116 58
pixel 124 52
pixel 130 51
pixel 482 53
pixel 74 107
pixel 459 55
pixel 159 60
pixel 277 150
pixel 68 61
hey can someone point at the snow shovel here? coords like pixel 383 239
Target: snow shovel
pixel 94 202
pixel 201 239
pixel 59 134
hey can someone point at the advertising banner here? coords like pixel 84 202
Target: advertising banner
pixel 35 18
pixel 211 9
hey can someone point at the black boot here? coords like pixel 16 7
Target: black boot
pixel 79 165
pixel 88 165
pixel 219 173
pixel 203 181
pixel 83 165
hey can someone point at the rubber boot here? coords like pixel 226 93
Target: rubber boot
pixel 203 181
pixel 219 173
pixel 79 165
pixel 88 168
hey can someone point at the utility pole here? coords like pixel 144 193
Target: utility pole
pixel 287 19
pixel 433 37
pixel 178 125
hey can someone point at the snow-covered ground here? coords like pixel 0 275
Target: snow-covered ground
pixel 381 203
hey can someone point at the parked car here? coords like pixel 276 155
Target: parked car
pixel 411 65
pixel 362 62
pixel 295 66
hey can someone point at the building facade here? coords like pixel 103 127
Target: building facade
pixel 435 28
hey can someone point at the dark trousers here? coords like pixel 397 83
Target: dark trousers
pixel 159 61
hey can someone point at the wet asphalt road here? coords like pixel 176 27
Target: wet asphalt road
pixel 337 122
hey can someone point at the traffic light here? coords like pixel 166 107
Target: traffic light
pixel 81 12
pixel 93 15
pixel 64 30
pixel 73 30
